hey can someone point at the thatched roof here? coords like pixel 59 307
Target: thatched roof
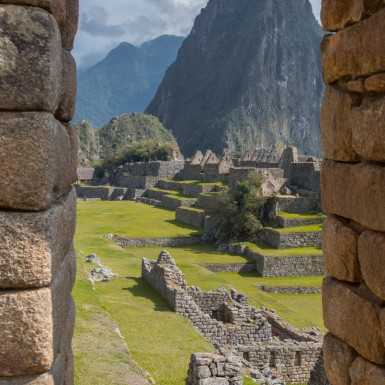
pixel 85 173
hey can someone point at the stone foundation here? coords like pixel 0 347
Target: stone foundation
pixel 291 240
pixel 236 268
pixel 290 289
pixel 148 242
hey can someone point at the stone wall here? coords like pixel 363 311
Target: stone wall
pixel 147 242
pixel 306 176
pixel 290 289
pixel 291 240
pixel 208 201
pixel 294 222
pixel 235 268
pixel 259 337
pixel 295 266
pixel 353 181
pixel 191 217
pixel 104 193
pixel 38 159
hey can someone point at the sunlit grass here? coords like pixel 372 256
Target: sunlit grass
pixel 268 250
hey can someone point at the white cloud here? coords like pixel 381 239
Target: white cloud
pixel 103 25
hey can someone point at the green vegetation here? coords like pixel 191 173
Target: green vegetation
pixel 268 250
pixel 303 215
pixel 125 81
pixel 241 206
pixel 94 328
pixel 153 332
pixel 299 229
pixel 251 103
pixel 89 143
pixel 132 220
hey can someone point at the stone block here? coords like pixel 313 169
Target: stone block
pixel 338 357
pixel 56 7
pixel 367 122
pixel 352 314
pixel 375 83
pixel 69 28
pixel 340 250
pixel 67 104
pixel 371 251
pixel 213 381
pixel 31 65
pixel 357 51
pixel 364 372
pixel 335 126
pixel 34 244
pixel 337 14
pixel 34 325
pixel 355 191
pixel 37 160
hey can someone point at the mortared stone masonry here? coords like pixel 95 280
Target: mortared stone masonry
pixel 353 190
pixel 38 156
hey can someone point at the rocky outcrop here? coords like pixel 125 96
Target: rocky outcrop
pixel 246 77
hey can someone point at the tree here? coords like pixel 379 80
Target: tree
pixel 241 208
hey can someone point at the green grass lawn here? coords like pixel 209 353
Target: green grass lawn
pixel 153 332
pixel 268 250
pixel 299 229
pixel 303 215
pixel 198 182
pixel 132 220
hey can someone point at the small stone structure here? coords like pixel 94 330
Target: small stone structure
pixel 353 185
pixel 290 289
pixel 259 336
pixel 38 160
pixel 84 174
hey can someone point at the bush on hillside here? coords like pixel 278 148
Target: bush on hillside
pixel 141 151
pixel 241 207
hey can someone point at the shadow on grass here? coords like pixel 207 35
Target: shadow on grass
pixel 143 290
pixel 182 225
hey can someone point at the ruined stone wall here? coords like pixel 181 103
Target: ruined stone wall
pixel 157 169
pixel 353 186
pixel 291 240
pixel 306 176
pixel 38 159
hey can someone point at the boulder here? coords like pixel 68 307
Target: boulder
pixel 350 53
pixel 31 65
pixel 336 130
pixel 286 191
pixel 340 249
pixel 93 258
pixel 364 372
pixel 375 83
pixel 353 315
pixel 338 357
pixel 69 28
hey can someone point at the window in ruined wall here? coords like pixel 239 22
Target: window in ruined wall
pixel 246 356
pixel 273 360
pixel 298 359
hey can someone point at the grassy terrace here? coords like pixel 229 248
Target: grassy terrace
pixel 153 332
pixel 268 250
pixel 304 215
pixel 299 229
pixel 132 220
pixel 198 182
pixel 177 194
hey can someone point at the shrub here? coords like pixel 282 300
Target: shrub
pixel 241 208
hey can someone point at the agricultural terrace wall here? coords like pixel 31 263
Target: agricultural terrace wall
pixel 290 289
pixel 208 201
pixel 353 180
pixel 157 169
pixel 192 217
pixel 37 202
pixel 147 242
pixel 235 268
pixel 291 240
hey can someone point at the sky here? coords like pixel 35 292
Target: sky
pixel 103 25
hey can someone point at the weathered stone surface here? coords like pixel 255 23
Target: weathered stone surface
pixel 376 83
pixel 356 86
pixel 336 15
pixel 356 51
pixel 56 7
pixel 37 160
pixel 31 64
pixel 340 250
pixel 371 251
pixel 214 381
pixel 33 323
pixel 353 315
pixel 66 109
pixel 69 28
pixel 355 191
pixel 367 122
pixel 34 244
pixel 364 372
pixel 74 147
pixel 335 126
pixel 338 357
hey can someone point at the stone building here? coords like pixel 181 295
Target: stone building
pixel 258 335
pixel 353 185
pixel 38 159
pixel 84 174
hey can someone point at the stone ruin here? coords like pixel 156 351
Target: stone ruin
pixel 265 346
pixel 38 159
pixel 353 185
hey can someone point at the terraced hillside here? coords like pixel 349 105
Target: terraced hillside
pixel 152 331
